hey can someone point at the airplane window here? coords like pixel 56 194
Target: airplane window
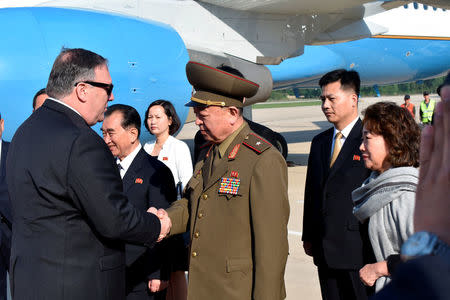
pixel 434 8
pixel 405 6
pixel 425 6
pixel 416 6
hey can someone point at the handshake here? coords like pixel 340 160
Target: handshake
pixel 166 224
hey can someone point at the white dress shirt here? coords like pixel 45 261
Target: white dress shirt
pixel 176 156
pixel 126 162
pixel 345 132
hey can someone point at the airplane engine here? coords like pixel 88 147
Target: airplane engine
pixel 251 71
pixel 146 59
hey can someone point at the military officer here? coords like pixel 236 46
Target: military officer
pixel 236 204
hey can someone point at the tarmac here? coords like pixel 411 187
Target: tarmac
pixel 299 125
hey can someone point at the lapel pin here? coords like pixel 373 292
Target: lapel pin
pixel 139 180
pixel 356 157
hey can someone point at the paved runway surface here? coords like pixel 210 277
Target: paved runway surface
pixel 299 125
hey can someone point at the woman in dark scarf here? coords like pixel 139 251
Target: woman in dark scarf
pixel 390 148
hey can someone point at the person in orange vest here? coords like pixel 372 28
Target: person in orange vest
pixel 409 106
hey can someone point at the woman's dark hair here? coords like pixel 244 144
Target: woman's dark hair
pixel 170 112
pixel 399 130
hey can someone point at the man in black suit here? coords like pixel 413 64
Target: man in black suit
pixel 147 182
pixel 39 99
pixel 331 234
pixel 70 216
pixel 5 215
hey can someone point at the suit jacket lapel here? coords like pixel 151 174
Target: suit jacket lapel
pixel 3 159
pixel 353 140
pixel 326 151
pixel 133 170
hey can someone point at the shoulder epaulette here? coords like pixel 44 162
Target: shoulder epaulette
pixel 256 143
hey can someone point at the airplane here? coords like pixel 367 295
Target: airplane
pixel 247 34
pixel 148 42
pixel 415 48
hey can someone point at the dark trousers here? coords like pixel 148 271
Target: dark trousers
pixel 342 285
pixel 146 295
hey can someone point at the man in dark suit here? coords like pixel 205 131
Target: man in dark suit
pixel 39 99
pixel 70 216
pixel 146 182
pixel 5 215
pixel 331 234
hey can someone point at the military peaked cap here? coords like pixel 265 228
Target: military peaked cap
pixel 216 87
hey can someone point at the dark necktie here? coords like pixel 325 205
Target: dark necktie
pixel 209 163
pixel 120 168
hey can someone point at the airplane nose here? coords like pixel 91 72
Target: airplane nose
pixel 148 73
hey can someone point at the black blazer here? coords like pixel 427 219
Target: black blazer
pixel 339 240
pixel 5 224
pixel 147 182
pixel 5 206
pixel 70 215
pixel 425 277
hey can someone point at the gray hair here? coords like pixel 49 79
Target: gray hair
pixel 70 67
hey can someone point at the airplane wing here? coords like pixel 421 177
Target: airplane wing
pixel 259 31
pixel 289 7
pixel 437 3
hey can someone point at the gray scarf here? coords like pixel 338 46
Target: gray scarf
pixel 380 189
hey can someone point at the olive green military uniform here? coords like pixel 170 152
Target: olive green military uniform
pixel 238 222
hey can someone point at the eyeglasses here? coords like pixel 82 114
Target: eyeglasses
pixel 107 87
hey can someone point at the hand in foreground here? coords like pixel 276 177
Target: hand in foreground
pixel 432 200
pixel 166 223
pixel 157 285
pixel 371 272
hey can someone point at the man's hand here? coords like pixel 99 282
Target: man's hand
pixel 371 272
pixel 166 223
pixel 307 246
pixel 432 200
pixel 156 285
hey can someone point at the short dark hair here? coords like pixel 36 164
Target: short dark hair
pixel 71 66
pixel 446 82
pixel 170 112
pixel 130 116
pixel 399 130
pixel 348 79
pixel 426 93
pixel 407 97
pixel 40 92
